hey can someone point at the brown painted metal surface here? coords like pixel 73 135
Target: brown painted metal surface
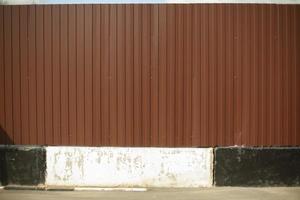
pixel 150 75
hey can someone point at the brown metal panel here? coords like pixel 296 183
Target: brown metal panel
pixel 264 75
pixel 32 75
pixel 40 75
pixel 72 74
pixel 195 122
pixel 248 66
pixel 88 79
pixel 291 77
pixel 237 75
pixel 96 76
pixel 255 83
pixel 129 75
pixel 56 73
pixel 278 75
pixel 137 75
pixel 171 61
pixel 288 77
pixel 188 34
pixel 229 77
pixel 16 82
pixel 179 76
pixel 271 117
pixel 212 49
pixel 113 109
pixel 204 74
pixel 64 75
pixel 121 74
pixel 196 78
pixel 285 78
pixel 48 76
pixel 297 57
pixel 221 84
pixel 105 75
pixel 80 74
pixel 150 75
pixel 154 75
pixel 24 74
pixel 162 74
pixel 2 78
pixel 295 70
pixel 251 64
pixel 146 76
pixel 9 128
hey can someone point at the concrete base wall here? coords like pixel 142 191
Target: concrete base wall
pixel 236 166
pixel 22 165
pixel 46 167
pixel 128 167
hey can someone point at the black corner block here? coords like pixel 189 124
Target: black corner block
pixel 237 166
pixel 22 165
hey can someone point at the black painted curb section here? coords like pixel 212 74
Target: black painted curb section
pixel 22 165
pixel 238 166
pixel 25 187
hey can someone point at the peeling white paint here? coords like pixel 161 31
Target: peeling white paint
pixel 129 167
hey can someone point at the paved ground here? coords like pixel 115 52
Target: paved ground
pixel 284 193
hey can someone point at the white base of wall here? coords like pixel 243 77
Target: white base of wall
pixel 129 167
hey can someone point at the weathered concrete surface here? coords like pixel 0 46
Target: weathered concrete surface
pixel 236 166
pixel 227 193
pixel 129 167
pixel 22 165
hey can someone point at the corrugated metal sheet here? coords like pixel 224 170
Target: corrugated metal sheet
pixel 150 75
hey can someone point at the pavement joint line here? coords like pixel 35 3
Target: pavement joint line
pixel 110 189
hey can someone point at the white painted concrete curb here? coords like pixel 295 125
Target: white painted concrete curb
pixel 129 167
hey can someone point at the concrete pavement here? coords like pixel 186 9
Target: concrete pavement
pixel 231 193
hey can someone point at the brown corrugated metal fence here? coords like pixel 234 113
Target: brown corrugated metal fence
pixel 150 75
